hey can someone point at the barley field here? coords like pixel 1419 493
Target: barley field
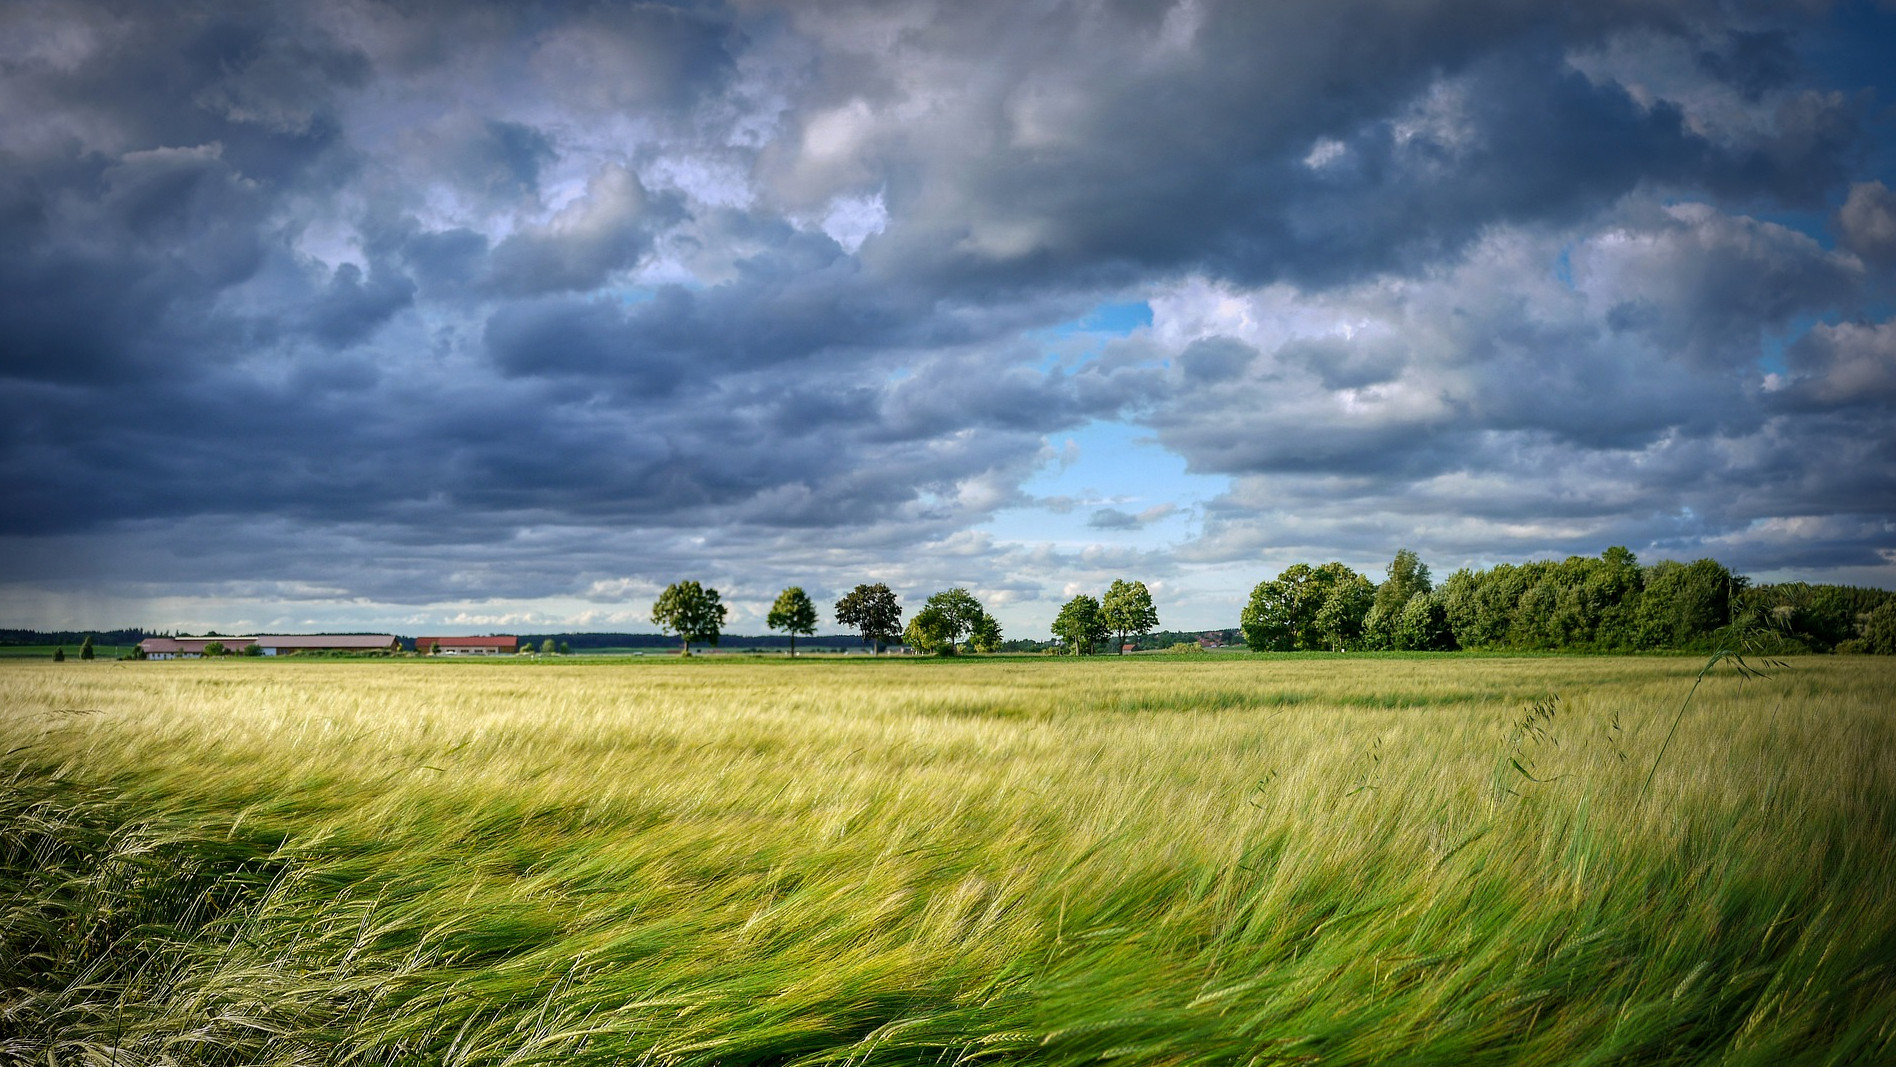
pixel 1240 860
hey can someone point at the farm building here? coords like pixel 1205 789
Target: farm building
pixel 282 644
pixel 268 644
pixel 467 646
pixel 189 647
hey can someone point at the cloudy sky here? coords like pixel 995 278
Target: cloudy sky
pixel 481 317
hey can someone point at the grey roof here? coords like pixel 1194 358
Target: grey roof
pixel 325 640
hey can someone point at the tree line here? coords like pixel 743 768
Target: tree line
pixel 948 622
pixel 1611 603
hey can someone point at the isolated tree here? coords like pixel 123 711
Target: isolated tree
pixel 691 611
pixel 85 648
pixel 565 650
pixel 931 631
pixel 959 609
pixel 1080 625
pixel 985 636
pixel 547 647
pixel 1127 611
pixel 59 655
pixel 214 648
pixel 253 649
pixel 794 614
pixel 873 611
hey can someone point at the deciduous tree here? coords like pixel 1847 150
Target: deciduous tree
pixel 959 610
pixel 873 611
pixel 794 614
pixel 1307 608
pixel 1127 611
pixel 1346 601
pixel 1879 629
pixel 1407 576
pixel 1422 626
pixel 986 635
pixel 931 631
pixel 1683 603
pixel 691 611
pixel 1079 625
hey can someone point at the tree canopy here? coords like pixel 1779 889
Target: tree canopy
pixel 960 612
pixel 692 611
pixel 1308 608
pixel 1127 611
pixel 1879 630
pixel 1608 602
pixel 871 610
pixel 986 634
pixel 1407 576
pixel 1080 625
pixel 932 630
pixel 794 614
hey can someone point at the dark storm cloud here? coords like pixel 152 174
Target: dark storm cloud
pixel 1866 224
pixel 1440 122
pixel 1754 62
pixel 350 307
pixel 419 303
pixel 503 159
pixel 1216 359
pixel 1847 366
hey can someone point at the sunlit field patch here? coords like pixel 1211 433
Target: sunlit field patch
pixel 1225 860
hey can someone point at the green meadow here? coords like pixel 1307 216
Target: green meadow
pixel 1244 860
